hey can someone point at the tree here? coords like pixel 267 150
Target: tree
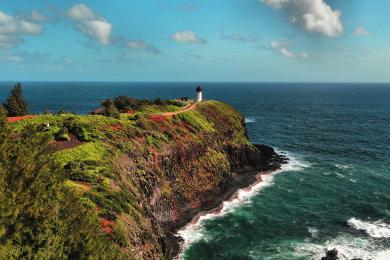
pixel 40 218
pixel 110 109
pixel 15 104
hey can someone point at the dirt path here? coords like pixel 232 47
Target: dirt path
pixel 162 116
pixel 188 107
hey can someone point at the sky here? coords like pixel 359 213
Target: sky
pixel 195 40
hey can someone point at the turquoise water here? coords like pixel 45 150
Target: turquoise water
pixel 338 198
pixel 335 193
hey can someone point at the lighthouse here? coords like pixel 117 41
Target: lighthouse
pixel 199 94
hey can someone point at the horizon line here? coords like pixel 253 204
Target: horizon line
pixel 197 82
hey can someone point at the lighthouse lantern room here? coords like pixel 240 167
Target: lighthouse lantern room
pixel 199 93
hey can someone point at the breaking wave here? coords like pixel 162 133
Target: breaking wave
pixel 250 120
pixel 192 232
pixel 348 248
pixel 377 229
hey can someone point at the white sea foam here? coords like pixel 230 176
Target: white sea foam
pixel 193 232
pixel 250 120
pixel 342 166
pixel 313 232
pixel 377 229
pixel 348 248
pixel 352 180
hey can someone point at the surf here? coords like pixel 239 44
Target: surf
pixel 192 232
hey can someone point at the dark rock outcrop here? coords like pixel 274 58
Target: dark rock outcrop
pixel 331 255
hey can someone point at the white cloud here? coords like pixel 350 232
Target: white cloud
pixel 13 28
pixel 90 23
pixel 314 16
pixel 360 31
pixel 141 45
pixel 282 47
pixel 187 37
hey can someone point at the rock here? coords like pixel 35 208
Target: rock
pixel 331 255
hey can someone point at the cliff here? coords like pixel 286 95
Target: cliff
pixel 147 174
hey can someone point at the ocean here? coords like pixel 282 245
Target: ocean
pixel 335 193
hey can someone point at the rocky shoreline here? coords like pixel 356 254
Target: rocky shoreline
pixel 241 178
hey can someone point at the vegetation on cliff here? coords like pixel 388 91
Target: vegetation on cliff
pixel 126 181
pixel 40 218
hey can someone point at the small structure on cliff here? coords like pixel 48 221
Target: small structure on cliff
pixel 199 96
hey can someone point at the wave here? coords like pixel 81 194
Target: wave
pixel 313 232
pixel 377 229
pixel 250 120
pixel 342 166
pixel 193 232
pixel 348 248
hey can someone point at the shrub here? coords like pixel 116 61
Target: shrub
pixel 122 102
pixel 159 102
pixel 84 132
pixel 110 109
pixel 62 135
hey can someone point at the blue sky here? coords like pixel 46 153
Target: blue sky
pixel 198 40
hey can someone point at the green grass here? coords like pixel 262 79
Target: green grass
pixel 196 120
pixel 84 152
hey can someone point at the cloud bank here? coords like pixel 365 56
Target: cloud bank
pixel 187 37
pixel 313 16
pixel 12 29
pixel 90 23
pixel 141 45
pixel 282 47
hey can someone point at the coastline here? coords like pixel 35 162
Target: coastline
pixel 251 182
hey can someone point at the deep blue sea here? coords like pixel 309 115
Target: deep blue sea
pixel 335 193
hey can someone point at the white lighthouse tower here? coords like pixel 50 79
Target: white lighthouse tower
pixel 199 96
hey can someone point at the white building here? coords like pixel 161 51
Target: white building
pixel 199 96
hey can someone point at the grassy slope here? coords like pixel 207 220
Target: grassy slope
pixel 134 170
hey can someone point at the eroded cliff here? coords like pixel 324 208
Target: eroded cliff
pixel 147 174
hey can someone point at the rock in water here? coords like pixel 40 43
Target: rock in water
pixel 331 255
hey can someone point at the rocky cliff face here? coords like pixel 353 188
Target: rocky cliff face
pixel 146 176
pixel 202 166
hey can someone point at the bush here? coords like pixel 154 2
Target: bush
pixel 159 102
pixel 62 135
pixel 110 109
pixel 84 132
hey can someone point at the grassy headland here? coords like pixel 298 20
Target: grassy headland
pixel 139 176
